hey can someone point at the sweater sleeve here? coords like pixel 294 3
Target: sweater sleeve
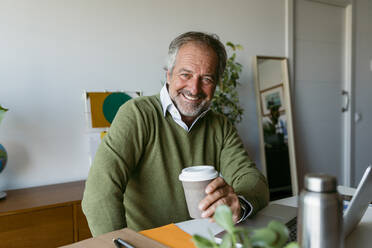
pixel 240 172
pixel 115 159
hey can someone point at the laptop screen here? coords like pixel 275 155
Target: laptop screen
pixel 359 202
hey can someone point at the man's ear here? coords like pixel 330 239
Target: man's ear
pixel 168 76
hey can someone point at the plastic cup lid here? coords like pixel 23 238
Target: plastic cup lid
pixel 198 173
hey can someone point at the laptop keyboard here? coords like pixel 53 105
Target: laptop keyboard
pixel 292 227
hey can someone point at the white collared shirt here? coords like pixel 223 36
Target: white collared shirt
pixel 169 106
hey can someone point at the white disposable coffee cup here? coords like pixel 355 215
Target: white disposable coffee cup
pixel 194 180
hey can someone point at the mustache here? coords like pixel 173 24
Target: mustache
pixel 188 93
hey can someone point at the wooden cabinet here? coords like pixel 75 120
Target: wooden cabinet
pixel 47 216
pixel 83 231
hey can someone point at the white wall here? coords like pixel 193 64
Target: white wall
pixel 50 51
pixel 270 73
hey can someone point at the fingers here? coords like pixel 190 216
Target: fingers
pixel 215 190
pixel 236 210
pixel 215 184
pixel 209 211
pixel 230 200
pixel 220 193
pixel 221 196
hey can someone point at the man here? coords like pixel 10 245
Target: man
pixel 134 177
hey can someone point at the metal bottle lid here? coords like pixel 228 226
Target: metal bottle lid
pixel 320 183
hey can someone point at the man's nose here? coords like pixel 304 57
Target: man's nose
pixel 194 85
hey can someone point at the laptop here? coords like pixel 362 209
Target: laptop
pixel 359 202
pixel 288 215
pixel 282 213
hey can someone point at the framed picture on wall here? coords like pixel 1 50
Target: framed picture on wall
pixel 272 97
pixel 100 110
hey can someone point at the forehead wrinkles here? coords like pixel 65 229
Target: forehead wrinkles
pixel 190 64
pixel 197 58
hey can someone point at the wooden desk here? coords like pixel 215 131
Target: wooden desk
pixel 359 238
pixel 46 216
pixel 105 240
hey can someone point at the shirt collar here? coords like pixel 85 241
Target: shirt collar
pixel 166 101
pixel 168 106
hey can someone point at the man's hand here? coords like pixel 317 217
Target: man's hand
pixel 220 193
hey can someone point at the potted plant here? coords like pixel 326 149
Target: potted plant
pixel 275 235
pixel 226 98
pixel 2 113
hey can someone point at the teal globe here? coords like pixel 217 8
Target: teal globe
pixel 3 157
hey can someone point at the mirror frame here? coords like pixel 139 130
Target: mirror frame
pixel 288 111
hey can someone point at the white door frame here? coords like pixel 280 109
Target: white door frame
pixel 347 122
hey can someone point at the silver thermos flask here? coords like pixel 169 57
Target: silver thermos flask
pixel 319 222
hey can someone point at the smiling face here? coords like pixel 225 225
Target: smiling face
pixel 192 82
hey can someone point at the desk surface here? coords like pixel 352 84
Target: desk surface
pixel 105 240
pixel 360 237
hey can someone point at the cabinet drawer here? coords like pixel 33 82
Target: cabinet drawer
pixel 50 227
pixel 82 224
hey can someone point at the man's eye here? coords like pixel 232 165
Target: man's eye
pixel 185 76
pixel 208 80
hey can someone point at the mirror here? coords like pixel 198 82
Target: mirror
pixel 274 114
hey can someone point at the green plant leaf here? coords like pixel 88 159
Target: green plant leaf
pixel 3 109
pixel 274 235
pixel 239 47
pixel 292 245
pixel 282 232
pixel 263 237
pixel 228 102
pixel 223 217
pixel 202 242
pixel 226 241
pixel 2 113
pixel 243 236
pixel 215 245
pixel 230 44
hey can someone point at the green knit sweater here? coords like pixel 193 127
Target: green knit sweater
pixel 133 180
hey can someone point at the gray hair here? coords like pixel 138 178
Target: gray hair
pixel 210 40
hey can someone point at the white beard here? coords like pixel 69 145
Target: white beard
pixel 187 108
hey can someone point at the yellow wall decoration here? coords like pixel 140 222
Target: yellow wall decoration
pixel 100 110
pixel 103 134
pixel 104 106
pixel 96 108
